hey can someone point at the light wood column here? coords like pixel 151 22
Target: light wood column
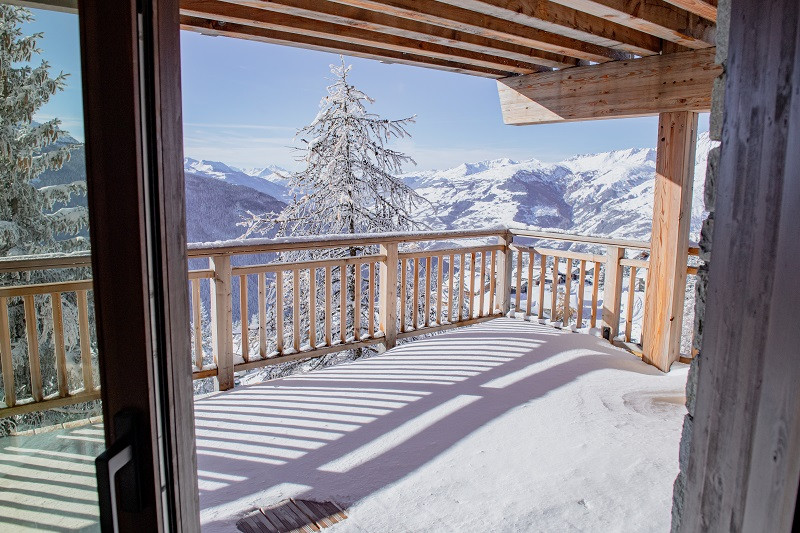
pixel 672 209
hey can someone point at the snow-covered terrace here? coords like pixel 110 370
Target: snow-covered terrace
pixel 506 425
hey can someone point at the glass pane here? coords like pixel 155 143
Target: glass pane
pixel 50 419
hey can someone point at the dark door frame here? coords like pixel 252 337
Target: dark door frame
pixel 130 52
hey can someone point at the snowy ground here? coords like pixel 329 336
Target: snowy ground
pixel 504 426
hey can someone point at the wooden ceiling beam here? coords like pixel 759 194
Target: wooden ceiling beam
pixel 460 19
pixel 380 22
pixel 555 18
pixel 704 8
pixel 244 15
pixel 651 85
pixel 656 17
pixel 217 28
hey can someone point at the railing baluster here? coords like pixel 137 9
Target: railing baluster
pixel 581 289
pixel 554 289
pixel 461 288
pixel 492 281
pixel 33 347
pixel 198 326
pixel 371 301
pixel 439 289
pixel 481 298
pixel 415 308
pixel 473 262
pixel 357 302
pixel 83 328
pixel 518 291
pixel 262 315
pixel 58 342
pixel 629 310
pixel 427 305
pixel 567 291
pixel 595 287
pixel 279 311
pixel 343 303
pixel 312 307
pixel 450 294
pixel 542 278
pixel 243 317
pixel 403 293
pixel 328 305
pixel 10 395
pixel 528 292
pixel 296 308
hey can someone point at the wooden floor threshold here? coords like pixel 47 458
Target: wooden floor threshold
pixel 292 516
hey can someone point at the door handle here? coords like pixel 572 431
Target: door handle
pixel 118 457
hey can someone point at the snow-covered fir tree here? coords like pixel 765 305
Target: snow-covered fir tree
pixel 349 185
pixel 28 222
pixel 34 220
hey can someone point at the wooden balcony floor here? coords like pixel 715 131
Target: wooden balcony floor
pixel 503 426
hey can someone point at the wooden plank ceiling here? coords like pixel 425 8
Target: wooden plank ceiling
pixel 491 38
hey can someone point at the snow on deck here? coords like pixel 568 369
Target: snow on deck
pixel 503 426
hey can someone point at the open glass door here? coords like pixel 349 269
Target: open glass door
pixel 96 423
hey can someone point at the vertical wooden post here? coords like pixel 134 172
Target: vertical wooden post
pixel 387 299
pixel 612 292
pixel 221 320
pixel 672 206
pixel 504 269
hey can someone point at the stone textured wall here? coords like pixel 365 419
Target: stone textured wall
pixel 715 132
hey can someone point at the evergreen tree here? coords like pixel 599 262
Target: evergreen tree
pixel 28 222
pixel 349 184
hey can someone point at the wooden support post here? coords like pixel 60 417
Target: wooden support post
pixel 504 269
pixel 672 206
pixel 388 294
pixel 612 292
pixel 221 320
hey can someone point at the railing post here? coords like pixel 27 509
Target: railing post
pixel 222 320
pixel 387 304
pixel 612 292
pixel 504 269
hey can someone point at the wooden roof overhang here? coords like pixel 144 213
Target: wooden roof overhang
pixel 555 60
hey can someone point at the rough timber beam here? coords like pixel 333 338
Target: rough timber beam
pixel 705 8
pixel 365 19
pixel 639 87
pixel 237 14
pixel 566 21
pixel 656 17
pixel 467 21
pixel 216 28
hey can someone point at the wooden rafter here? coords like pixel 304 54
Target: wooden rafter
pixel 241 31
pixel 656 17
pixel 238 14
pixel 563 20
pixel 639 87
pixel 458 18
pixel 705 8
pixel 337 13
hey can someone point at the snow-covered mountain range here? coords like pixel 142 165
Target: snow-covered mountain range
pixel 606 194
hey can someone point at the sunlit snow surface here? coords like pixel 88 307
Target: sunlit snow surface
pixel 503 426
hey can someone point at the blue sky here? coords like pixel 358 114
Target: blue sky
pixel 243 102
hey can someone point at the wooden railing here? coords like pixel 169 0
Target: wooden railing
pixel 252 305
